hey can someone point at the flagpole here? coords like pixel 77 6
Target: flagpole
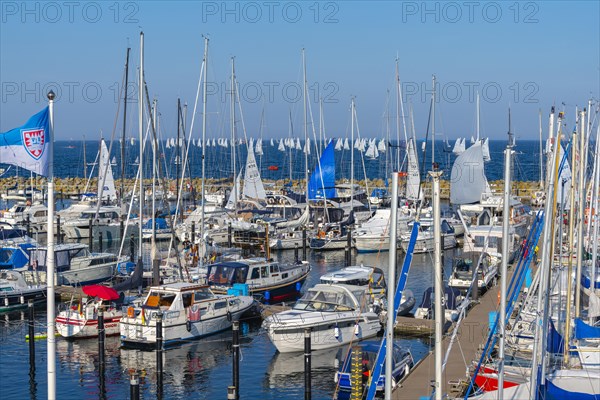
pixel 51 339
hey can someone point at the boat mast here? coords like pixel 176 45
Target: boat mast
pixel 505 244
pixel 397 117
pixel 541 154
pixel 124 126
pixel 233 138
pixel 353 112
pixel 433 125
pixel 438 284
pixel 153 217
pixel 141 144
pixel 306 145
pixel 178 159
pixel 580 214
pixel 84 161
pixel 477 138
pixel 204 101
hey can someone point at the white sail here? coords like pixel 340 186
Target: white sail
pixel 339 145
pixel 485 148
pixel 232 201
pixel 132 141
pixel 193 142
pixel 371 150
pixel 307 146
pixel 295 223
pixel 272 143
pixel 467 180
pixel 298 145
pixel 473 140
pixel 105 174
pixel 346 144
pixel 168 144
pixel 281 146
pixel 413 179
pixel 381 146
pixel 113 161
pixel 253 185
pixel 459 146
pixel 357 143
pixel 258 148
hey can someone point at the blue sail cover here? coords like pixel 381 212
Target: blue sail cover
pixel 322 181
pixel 585 331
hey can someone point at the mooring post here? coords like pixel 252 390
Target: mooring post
pixel 304 243
pixel 31 336
pixel 229 233
pixel 101 335
pixel 356 374
pixel 236 358
pixel 307 365
pixel 193 237
pixel 231 392
pixel 134 386
pixel 121 229
pixel 100 241
pixel 58 235
pixel 347 256
pixel 296 258
pixel 159 355
pixel 131 248
pixel 91 235
pixel 28 224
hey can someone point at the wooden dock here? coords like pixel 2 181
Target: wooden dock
pixel 471 337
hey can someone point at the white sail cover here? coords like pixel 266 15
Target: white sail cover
pixel 253 185
pixel 467 180
pixel 413 180
pixel 232 201
pixel 108 191
pixel 295 223
pixel 485 148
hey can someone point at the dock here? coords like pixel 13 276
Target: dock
pixel 471 337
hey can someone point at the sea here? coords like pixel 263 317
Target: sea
pixel 273 164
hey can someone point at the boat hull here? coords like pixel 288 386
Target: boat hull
pixel 71 324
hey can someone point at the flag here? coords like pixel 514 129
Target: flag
pixel 28 146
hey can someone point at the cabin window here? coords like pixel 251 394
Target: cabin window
pixel 201 295
pixel 239 276
pixel 255 273
pixel 479 241
pixel 220 304
pixel 157 299
pixel 285 275
pixel 274 268
pixel 40 214
pixel 187 299
pixel 264 271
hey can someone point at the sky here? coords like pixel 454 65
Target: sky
pixel 524 55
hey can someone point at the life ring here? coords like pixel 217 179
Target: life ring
pixel 321 235
pixel 229 317
pixel 130 312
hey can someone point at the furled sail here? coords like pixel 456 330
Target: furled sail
pixel 413 181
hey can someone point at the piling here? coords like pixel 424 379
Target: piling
pixel 347 256
pixel 356 375
pixel 121 229
pixel 296 258
pixel 304 244
pixel 229 231
pixel 28 225
pixel 193 232
pixel 91 235
pixel 58 235
pixel 101 360
pixel 236 358
pixel 231 392
pixel 159 356
pixel 307 366
pixel 134 386
pixel 31 337
pixel 131 248
pixel 100 241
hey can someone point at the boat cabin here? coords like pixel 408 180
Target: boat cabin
pixel 231 272
pixel 179 296
pixel 332 298
pixel 371 277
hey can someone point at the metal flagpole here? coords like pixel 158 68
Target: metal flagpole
pixel 51 339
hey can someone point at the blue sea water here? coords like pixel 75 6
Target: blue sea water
pixel 274 164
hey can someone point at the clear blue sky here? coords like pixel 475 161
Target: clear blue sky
pixel 535 53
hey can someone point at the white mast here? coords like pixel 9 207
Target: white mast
pixel 438 285
pixel 353 111
pixel 477 139
pixel 397 116
pixel 304 89
pixel 50 264
pixel 541 154
pixel 433 124
pixel 580 213
pixel 141 144
pixel 233 138
pixel 154 114
pixel 389 339
pixel 204 101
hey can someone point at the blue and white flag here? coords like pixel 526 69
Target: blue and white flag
pixel 28 146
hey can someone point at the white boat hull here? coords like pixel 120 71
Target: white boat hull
pixel 71 324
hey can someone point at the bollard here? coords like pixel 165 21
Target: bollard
pixel 347 256
pixel 101 336
pixel 100 242
pixel 349 246
pixel 231 393
pixel 193 233
pixel 304 244
pixel 229 241
pixel 31 336
pixel 91 235
pixel 356 374
pixel 296 253
pixel 131 248
pixel 159 355
pixel 134 386
pixel 236 358
pixel 121 229
pixel 58 235
pixel 307 366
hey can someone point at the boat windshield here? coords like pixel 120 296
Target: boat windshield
pixel 157 300
pixel 226 274
pixel 319 300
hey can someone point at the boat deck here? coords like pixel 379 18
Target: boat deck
pixel 471 337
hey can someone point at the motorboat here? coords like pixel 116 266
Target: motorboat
pixel 161 230
pixel 451 303
pixel 267 280
pixel 80 320
pixel 188 311
pixel 425 238
pixel 75 265
pixel 402 363
pixel 471 263
pixel 336 315
pixel 15 293
pixel 105 220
